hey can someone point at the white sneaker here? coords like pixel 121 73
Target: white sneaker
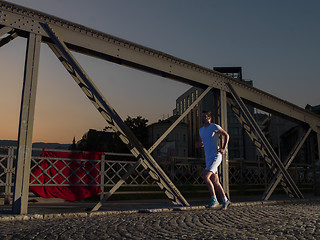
pixel 225 205
pixel 213 204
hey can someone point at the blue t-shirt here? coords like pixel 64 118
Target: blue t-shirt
pixel 210 139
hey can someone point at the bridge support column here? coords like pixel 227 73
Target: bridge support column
pixel 317 179
pixel 22 172
pixel 315 159
pixel 223 122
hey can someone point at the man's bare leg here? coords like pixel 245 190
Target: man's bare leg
pixel 225 202
pixel 217 186
pixel 207 179
pixel 207 175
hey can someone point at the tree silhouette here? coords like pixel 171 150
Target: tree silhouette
pixel 138 126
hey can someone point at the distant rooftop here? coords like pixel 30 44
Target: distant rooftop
pixel 315 109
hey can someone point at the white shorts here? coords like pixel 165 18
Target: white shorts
pixel 212 164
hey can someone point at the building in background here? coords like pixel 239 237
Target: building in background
pixel 240 145
pixel 193 118
pixel 275 128
pixel 175 144
pixel 284 134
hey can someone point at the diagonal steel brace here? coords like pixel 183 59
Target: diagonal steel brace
pixel 151 149
pixel 258 144
pixel 12 35
pixel 273 156
pixel 4 30
pixel 277 177
pixel 112 118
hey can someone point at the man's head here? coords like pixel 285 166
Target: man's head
pixel 206 117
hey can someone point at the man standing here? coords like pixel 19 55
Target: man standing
pixel 209 134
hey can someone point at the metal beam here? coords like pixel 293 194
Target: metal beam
pixel 318 140
pixel 94 43
pixel 12 35
pixel 101 45
pixel 151 149
pixel 22 175
pixel 317 184
pixel 117 186
pixel 225 157
pixel 263 140
pixel 166 133
pixel 110 115
pixel 258 144
pixel 4 30
pixel 277 177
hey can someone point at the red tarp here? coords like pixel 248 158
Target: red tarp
pixel 65 175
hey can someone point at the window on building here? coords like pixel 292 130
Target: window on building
pixel 192 97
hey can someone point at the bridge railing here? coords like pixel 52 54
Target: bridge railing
pixel 112 166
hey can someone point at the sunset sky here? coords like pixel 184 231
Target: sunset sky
pixel 275 42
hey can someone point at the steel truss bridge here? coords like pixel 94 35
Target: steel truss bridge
pixel 63 37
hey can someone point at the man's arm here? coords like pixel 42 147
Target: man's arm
pixel 225 135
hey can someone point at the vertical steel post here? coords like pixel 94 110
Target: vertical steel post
pixel 318 138
pixel 318 144
pixel 216 104
pixel 316 179
pixel 312 151
pixel 225 157
pixel 102 164
pixel 22 173
pixel 9 175
pixel 217 119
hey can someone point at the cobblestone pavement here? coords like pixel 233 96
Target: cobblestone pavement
pixel 283 221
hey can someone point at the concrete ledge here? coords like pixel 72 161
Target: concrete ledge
pixel 189 208
pixel 7 217
pixel 155 210
pixel 79 214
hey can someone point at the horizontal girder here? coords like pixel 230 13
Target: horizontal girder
pixel 101 45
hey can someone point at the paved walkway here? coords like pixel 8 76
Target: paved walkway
pixel 294 219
